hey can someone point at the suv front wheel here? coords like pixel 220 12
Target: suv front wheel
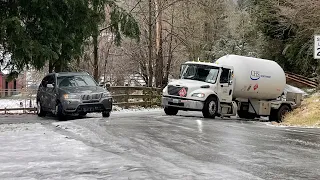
pixel 59 112
pixel 106 114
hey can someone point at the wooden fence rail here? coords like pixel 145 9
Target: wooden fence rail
pixel 123 96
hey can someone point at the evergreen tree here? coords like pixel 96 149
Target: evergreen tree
pixel 37 32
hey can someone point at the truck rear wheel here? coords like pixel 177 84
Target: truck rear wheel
pixel 210 108
pixel 171 111
pixel 273 115
pixel 282 111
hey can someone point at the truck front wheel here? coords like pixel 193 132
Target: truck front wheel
pixel 171 111
pixel 210 107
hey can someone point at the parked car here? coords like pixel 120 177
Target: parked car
pixel 72 93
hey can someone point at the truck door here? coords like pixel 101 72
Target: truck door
pixel 225 87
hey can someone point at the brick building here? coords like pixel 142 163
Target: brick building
pixel 8 88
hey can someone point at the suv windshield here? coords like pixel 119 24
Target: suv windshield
pixel 75 81
pixel 199 72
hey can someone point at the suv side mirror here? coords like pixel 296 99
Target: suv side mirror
pixel 230 82
pixel 50 86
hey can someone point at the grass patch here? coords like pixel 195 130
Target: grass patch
pixel 308 115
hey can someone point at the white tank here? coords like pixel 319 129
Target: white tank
pixel 255 78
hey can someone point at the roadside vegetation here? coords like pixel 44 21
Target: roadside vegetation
pixel 308 115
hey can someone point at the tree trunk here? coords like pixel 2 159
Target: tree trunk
pixel 106 57
pixel 58 66
pixel 95 56
pixel 51 66
pixel 150 78
pixel 159 42
pixel 170 52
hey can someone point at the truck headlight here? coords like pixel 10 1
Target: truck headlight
pixel 199 95
pixel 164 90
pixel 71 96
pixel 106 94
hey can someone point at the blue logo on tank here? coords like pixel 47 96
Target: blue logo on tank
pixel 255 75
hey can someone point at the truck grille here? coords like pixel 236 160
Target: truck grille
pixel 93 97
pixel 174 90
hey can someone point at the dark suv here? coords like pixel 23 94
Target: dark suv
pixel 71 93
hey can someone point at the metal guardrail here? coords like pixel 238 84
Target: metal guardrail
pixel 302 80
pixel 123 96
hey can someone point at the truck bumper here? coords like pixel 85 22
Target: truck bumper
pixel 183 104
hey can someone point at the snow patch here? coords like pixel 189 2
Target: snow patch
pixel 292 126
pixel 15 103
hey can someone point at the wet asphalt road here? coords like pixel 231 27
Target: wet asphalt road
pixel 150 145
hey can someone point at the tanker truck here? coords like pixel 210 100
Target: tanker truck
pixel 232 85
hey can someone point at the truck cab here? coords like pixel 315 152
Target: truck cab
pixel 206 87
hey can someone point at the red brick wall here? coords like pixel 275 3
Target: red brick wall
pixel 20 82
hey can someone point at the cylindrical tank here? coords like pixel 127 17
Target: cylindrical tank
pixel 255 78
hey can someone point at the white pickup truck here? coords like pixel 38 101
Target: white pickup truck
pixel 249 87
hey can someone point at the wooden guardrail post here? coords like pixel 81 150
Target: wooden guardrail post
pixel 150 97
pixel 127 98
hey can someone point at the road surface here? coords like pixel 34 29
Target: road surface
pixel 150 145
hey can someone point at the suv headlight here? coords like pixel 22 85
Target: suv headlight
pixel 71 96
pixel 106 94
pixel 199 95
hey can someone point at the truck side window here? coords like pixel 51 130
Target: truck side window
pixel 224 78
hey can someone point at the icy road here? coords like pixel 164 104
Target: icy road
pixel 150 145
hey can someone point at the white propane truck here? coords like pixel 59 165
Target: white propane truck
pixel 249 87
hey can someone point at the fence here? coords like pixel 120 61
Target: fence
pixel 17 101
pixel 304 81
pixel 24 101
pixel 125 96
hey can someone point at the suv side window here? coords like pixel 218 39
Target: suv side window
pixel 51 79
pixel 225 76
pixel 45 81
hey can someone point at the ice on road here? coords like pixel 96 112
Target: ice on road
pixel 32 151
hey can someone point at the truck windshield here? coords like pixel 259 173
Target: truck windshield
pixel 199 72
pixel 74 81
